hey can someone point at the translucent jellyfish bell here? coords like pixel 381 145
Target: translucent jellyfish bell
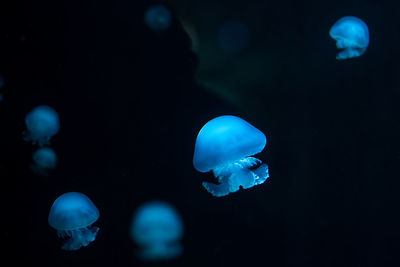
pixel 225 145
pixel 158 18
pixel 351 35
pixel 42 123
pixel 72 215
pixel 157 228
pixel 45 159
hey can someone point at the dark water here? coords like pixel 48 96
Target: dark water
pixel 131 102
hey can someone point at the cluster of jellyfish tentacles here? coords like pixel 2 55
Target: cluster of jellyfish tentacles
pixel 237 174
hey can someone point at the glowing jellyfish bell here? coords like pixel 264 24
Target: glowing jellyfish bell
pixel 351 35
pixel 158 18
pixel 225 145
pixel 72 215
pixel 42 123
pixel 45 159
pixel 157 228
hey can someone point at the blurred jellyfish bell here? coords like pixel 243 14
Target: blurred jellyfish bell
pixel 45 159
pixel 42 123
pixel 72 215
pixel 157 228
pixel 224 146
pixel 233 36
pixel 351 35
pixel 158 17
pixel 1 81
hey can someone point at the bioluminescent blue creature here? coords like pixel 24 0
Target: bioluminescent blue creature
pixel 45 159
pixel 351 35
pixel 157 228
pixel 233 36
pixel 158 18
pixel 42 123
pixel 225 145
pixel 72 215
pixel 1 81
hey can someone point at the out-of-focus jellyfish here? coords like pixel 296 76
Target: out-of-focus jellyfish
pixel 42 123
pixel 351 35
pixel 225 145
pixel 157 228
pixel 233 36
pixel 45 159
pixel 158 18
pixel 1 81
pixel 72 215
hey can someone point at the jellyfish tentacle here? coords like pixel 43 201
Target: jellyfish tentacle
pixel 78 238
pixel 238 174
pixel 217 190
pixel 261 174
pixel 160 251
pixel 249 162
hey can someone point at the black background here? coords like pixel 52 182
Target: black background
pixel 130 109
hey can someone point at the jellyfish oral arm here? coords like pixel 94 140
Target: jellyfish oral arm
pixel 161 251
pixel 232 176
pixel 78 238
pixel 350 53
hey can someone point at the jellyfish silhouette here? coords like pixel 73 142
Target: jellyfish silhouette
pixel 158 18
pixel 225 145
pixel 42 123
pixel 157 228
pixel 45 159
pixel 351 35
pixel 72 215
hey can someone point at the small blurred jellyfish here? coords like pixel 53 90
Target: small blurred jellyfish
pixel 225 145
pixel 45 159
pixel 158 18
pixel 157 228
pixel 1 81
pixel 42 123
pixel 72 215
pixel 351 35
pixel 233 36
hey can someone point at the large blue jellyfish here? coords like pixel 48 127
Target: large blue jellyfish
pixel 225 145
pixel 351 35
pixel 42 123
pixel 45 159
pixel 72 215
pixel 158 18
pixel 157 228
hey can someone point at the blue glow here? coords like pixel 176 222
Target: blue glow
pixel 42 123
pixel 1 81
pixel 233 36
pixel 45 159
pixel 351 35
pixel 72 215
pixel 225 145
pixel 158 18
pixel 157 228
